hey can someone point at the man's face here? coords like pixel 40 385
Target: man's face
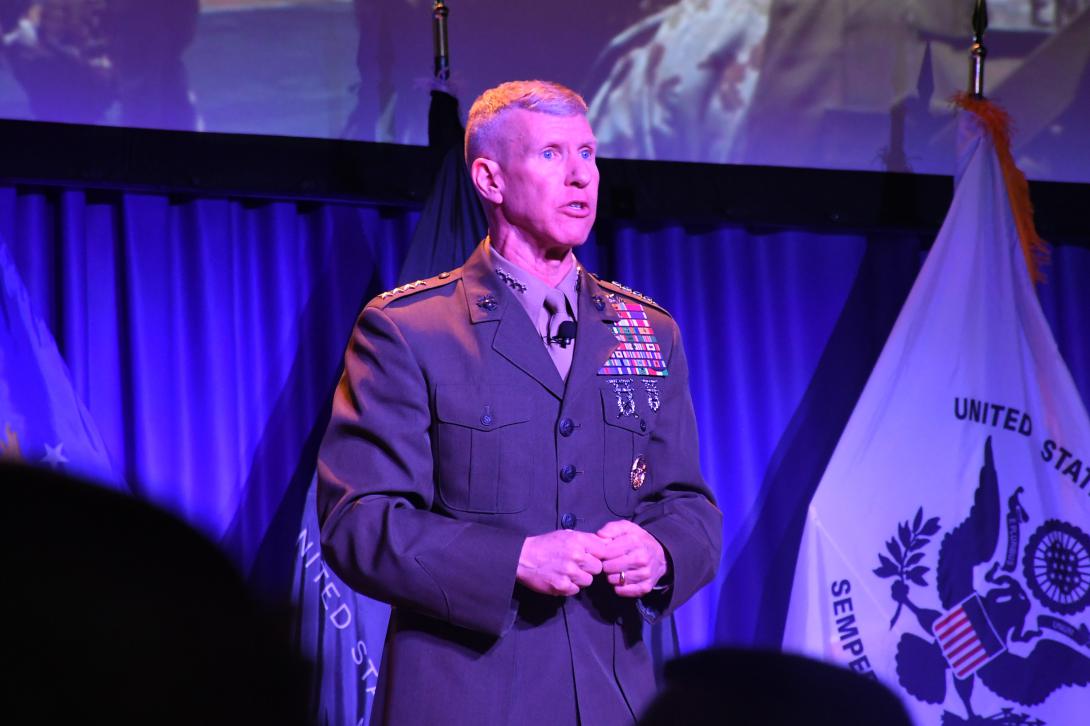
pixel 550 178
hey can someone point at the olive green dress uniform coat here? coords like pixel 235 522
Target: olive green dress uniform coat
pixel 450 434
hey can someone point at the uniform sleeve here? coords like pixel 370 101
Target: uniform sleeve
pixel 680 510
pixel 375 493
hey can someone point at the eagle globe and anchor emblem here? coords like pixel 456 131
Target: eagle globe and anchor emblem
pixel 973 635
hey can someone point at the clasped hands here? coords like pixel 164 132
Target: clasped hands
pixel 565 561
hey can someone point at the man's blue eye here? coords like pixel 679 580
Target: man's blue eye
pixel 548 153
pixel 585 153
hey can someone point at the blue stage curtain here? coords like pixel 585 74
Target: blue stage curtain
pixel 205 336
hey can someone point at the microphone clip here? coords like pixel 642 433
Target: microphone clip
pixel 565 334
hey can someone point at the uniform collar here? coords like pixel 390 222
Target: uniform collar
pixel 488 299
pixel 530 290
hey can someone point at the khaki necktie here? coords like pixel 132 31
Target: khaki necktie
pixel 556 307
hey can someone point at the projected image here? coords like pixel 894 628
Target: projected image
pixel 175 64
pixel 840 84
pixel 836 83
pixel 491 41
pixel 99 61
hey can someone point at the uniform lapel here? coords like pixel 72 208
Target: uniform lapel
pixel 516 338
pixel 595 341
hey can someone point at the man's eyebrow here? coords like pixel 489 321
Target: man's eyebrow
pixel 593 143
pixel 548 145
pixel 557 144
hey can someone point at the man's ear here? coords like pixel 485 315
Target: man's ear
pixel 488 178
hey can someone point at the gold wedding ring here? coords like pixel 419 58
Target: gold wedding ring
pixel 622 577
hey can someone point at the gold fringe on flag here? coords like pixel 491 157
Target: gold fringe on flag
pixel 998 125
pixel 9 446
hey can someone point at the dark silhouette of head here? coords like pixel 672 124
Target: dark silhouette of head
pixel 119 613
pixel 739 687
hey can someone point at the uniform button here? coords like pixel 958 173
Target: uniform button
pixel 643 425
pixel 567 521
pixel 568 472
pixel 566 426
pixel 486 420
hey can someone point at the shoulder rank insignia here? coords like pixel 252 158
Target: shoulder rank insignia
pixel 400 289
pixel 633 293
pixel 439 280
pixel 612 286
pixel 639 352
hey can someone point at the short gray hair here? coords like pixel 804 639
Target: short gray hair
pixel 539 96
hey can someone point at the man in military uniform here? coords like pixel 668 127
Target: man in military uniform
pixel 512 459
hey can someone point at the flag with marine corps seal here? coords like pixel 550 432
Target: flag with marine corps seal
pixel 947 547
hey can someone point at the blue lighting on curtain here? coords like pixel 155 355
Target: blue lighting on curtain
pixel 205 336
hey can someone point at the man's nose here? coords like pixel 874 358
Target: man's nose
pixel 579 173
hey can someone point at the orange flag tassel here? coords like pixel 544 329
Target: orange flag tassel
pixel 997 123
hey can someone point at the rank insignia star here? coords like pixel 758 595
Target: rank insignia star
pixel 511 281
pixel 402 289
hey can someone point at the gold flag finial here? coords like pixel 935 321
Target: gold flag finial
pixel 977 53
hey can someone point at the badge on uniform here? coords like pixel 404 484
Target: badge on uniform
pixel 638 474
pixel 626 396
pixel 653 400
pixel 639 352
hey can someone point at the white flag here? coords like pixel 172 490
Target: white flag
pixel 947 547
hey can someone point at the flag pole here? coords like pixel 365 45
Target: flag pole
pixel 439 40
pixel 977 53
pixel 997 123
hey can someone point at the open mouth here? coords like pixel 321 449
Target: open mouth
pixel 579 207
